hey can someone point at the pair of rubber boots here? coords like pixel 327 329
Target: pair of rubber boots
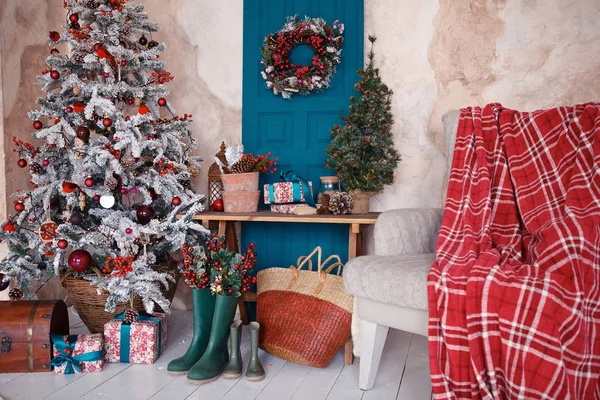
pixel 207 357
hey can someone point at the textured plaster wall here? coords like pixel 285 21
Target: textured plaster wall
pixel 435 55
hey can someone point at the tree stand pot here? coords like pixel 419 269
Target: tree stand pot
pixel 361 201
pixel 240 182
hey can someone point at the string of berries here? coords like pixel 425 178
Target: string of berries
pixel 118 266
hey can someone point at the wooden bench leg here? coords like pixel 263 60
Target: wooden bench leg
pixel 348 352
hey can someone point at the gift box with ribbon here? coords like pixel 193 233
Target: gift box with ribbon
pixel 140 342
pixel 77 353
pixel 292 189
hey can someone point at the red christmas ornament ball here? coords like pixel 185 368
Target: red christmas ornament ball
pixel 97 197
pixel 54 51
pixel 89 182
pixel 62 244
pixel 107 122
pixel 83 133
pixel 144 214
pixel 19 206
pixel 22 163
pixel 217 205
pixel 176 201
pixel 76 218
pixel 162 102
pixel 55 75
pixel 128 231
pixel 74 18
pixel 37 125
pixel 45 163
pixel 54 36
pixel 80 260
pixel 130 101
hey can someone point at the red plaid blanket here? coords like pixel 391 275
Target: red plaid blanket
pixel 514 296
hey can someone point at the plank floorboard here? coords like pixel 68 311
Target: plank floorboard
pixel 403 375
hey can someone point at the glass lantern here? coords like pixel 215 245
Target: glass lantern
pixel 215 186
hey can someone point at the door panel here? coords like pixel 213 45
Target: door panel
pixel 296 130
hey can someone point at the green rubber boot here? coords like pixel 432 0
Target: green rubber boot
pixel 210 365
pixel 203 309
pixel 233 369
pixel 255 371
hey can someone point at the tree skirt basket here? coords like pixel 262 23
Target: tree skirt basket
pixel 90 306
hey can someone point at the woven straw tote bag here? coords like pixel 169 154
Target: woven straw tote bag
pixel 305 315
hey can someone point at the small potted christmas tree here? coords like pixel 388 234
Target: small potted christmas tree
pixel 362 151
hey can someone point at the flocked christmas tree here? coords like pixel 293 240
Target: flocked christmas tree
pixel 112 169
pixel 362 151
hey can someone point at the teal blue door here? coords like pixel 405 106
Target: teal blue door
pixel 296 130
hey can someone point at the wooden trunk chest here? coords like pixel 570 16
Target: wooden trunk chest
pixel 25 328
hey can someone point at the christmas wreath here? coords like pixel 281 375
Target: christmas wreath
pixel 286 78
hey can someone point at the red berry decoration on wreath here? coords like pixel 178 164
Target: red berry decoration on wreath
pixel 15 294
pixel 286 78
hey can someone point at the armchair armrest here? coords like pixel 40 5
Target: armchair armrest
pixel 409 230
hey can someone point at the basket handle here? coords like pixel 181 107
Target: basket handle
pixel 337 263
pixel 323 274
pixel 302 260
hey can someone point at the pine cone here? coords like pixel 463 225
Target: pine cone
pixel 152 44
pixel 324 200
pixel 93 4
pixel 130 315
pixel 127 162
pixel 246 164
pixel 15 294
pixel 36 168
pixel 340 203
pixel 322 210
pixel 111 183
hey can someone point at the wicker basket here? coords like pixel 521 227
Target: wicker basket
pixel 90 306
pixel 304 316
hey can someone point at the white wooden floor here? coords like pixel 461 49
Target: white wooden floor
pixel 403 375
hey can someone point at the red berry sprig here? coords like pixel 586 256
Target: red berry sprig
pixel 118 266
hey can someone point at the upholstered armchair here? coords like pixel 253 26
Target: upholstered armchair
pixel 390 286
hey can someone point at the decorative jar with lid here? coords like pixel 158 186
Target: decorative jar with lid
pixel 329 185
